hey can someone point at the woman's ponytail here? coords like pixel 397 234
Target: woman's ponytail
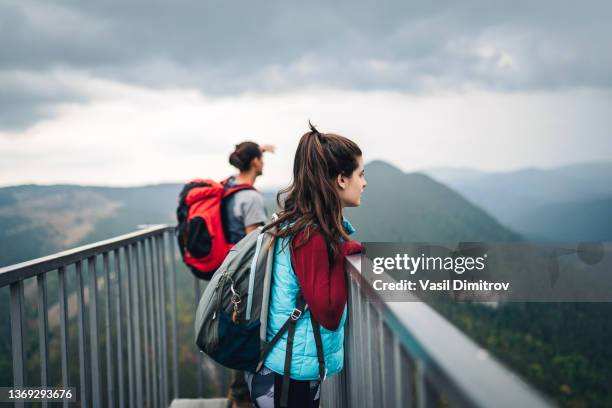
pixel 312 200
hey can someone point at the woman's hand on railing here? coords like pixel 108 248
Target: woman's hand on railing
pixel 351 247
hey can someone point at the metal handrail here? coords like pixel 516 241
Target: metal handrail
pixel 404 354
pixel 141 273
pixel 13 273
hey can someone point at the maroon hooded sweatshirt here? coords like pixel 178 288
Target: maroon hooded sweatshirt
pixel 324 288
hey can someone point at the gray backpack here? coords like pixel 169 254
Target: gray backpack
pixel 231 319
pixel 232 313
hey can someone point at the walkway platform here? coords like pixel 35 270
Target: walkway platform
pixel 199 403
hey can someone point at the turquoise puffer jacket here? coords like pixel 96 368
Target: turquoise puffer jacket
pixel 283 293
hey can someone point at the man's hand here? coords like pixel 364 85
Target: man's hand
pixel 267 148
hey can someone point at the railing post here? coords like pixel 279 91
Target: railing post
pixel 380 327
pixel 397 373
pixel 93 333
pixel 130 326
pixel 175 381
pixel 17 336
pixel 120 372
pixel 369 372
pixel 43 344
pixel 360 336
pixel 145 318
pixel 107 328
pixel 376 356
pixel 164 342
pixel 136 323
pixel 387 364
pixel 157 281
pixel 350 344
pixel 81 330
pixel 63 304
pixel 151 285
pixel 200 356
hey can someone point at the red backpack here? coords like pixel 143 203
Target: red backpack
pixel 200 232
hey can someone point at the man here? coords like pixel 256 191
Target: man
pixel 243 212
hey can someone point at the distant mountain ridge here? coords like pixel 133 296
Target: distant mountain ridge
pixel 38 220
pixel 398 206
pixel 531 201
pixel 436 204
pixel 576 221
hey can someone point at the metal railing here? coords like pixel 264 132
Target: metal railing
pixel 396 355
pixel 135 275
pixel 404 354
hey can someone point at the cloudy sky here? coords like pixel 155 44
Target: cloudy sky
pixel 118 93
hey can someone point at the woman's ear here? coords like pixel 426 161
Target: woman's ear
pixel 341 180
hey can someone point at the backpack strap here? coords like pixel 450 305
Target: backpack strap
pixel 316 331
pixel 300 308
pixel 229 190
pixel 289 327
pixel 287 369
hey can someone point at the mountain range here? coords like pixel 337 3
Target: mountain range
pixel 567 203
pixel 39 220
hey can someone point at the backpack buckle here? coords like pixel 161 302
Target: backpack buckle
pixel 296 314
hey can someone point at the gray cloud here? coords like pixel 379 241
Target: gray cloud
pixel 231 47
pixel 27 98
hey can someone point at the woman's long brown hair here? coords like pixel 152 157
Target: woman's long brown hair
pixel 311 201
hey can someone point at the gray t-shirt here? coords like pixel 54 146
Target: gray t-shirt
pixel 245 207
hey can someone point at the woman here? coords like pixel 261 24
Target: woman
pixel 312 241
pixel 242 212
